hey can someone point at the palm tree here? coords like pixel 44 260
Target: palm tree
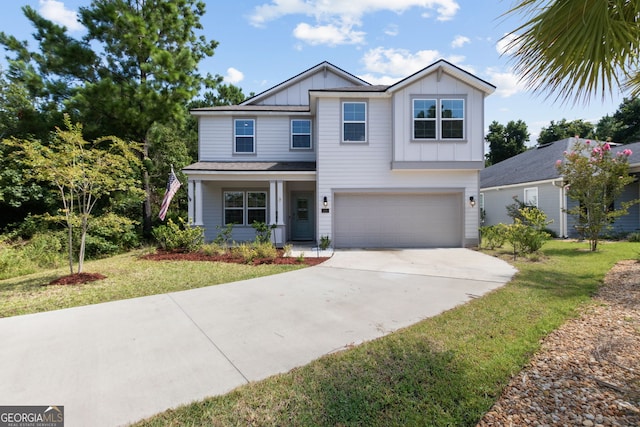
pixel 577 48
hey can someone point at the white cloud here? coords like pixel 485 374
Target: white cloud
pixel 392 30
pixel 233 76
pixel 460 41
pixel 504 45
pixel 398 62
pixel 55 12
pixel 328 34
pixel 335 19
pixel 379 80
pixel 507 83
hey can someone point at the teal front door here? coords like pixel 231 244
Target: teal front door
pixel 302 218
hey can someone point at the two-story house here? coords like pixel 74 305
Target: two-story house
pixel 327 154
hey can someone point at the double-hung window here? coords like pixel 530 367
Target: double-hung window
pixel 244 136
pixel 245 207
pixel 354 122
pixel 300 134
pixel 438 119
pixel 531 196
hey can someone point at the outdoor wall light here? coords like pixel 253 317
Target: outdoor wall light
pixel 325 202
pixel 472 201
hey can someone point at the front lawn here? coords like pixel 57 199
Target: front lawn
pixel 127 276
pixel 444 371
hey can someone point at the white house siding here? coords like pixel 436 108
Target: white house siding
pixel 472 149
pixel 272 140
pixel 298 93
pixel 345 167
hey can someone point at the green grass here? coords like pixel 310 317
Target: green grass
pixel 444 371
pixel 127 277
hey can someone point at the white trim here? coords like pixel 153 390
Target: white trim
pixel 522 184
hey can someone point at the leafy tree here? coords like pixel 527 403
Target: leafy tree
pixel 627 119
pixel 595 179
pixel 506 141
pixel 564 129
pixel 136 66
pixel 577 48
pixel 83 174
pixel 606 128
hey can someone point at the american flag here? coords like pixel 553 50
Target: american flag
pixel 172 187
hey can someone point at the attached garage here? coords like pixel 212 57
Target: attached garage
pixel 398 220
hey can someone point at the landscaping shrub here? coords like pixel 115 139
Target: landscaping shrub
pixel 634 237
pixel 493 236
pixel 174 237
pixel 263 231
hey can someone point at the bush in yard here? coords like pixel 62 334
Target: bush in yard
pixel 224 235
pixel 527 235
pixel 175 237
pixel 263 231
pixel 493 236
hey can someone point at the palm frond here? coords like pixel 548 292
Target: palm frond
pixel 577 49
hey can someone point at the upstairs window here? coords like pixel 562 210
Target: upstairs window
pixel 244 135
pixel 354 122
pixel 300 134
pixel 424 119
pixel 438 119
pixel 452 118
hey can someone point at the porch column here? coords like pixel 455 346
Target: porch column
pixel 280 203
pixel 197 200
pixel 272 202
pixel 191 201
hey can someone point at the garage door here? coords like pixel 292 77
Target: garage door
pixel 398 220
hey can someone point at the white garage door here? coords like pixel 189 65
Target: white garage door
pixel 398 220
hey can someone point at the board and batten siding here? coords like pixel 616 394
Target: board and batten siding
pixel 298 93
pixel 272 140
pixel 345 167
pixel 406 149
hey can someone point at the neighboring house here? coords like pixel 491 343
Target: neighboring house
pixel 327 154
pixel 532 177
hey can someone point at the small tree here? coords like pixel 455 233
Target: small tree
pixel 595 178
pixel 83 174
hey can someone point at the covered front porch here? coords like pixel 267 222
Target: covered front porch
pixel 277 193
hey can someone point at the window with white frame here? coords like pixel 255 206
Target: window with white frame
pixel 531 196
pixel 300 134
pixel 354 122
pixel 438 119
pixel 245 207
pixel 244 136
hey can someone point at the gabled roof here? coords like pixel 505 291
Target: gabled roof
pixel 443 66
pixel 323 66
pixel 539 164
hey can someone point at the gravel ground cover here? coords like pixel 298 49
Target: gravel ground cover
pixel 587 373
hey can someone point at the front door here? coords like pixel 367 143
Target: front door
pixel 302 218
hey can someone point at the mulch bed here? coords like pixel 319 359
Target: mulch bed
pixel 199 256
pixel 76 279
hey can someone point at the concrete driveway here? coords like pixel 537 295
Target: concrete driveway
pixel 115 363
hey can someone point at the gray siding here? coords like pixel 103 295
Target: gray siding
pixel 496 201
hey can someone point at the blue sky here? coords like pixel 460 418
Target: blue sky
pixel 264 42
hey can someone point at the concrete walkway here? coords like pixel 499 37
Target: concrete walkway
pixel 115 363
